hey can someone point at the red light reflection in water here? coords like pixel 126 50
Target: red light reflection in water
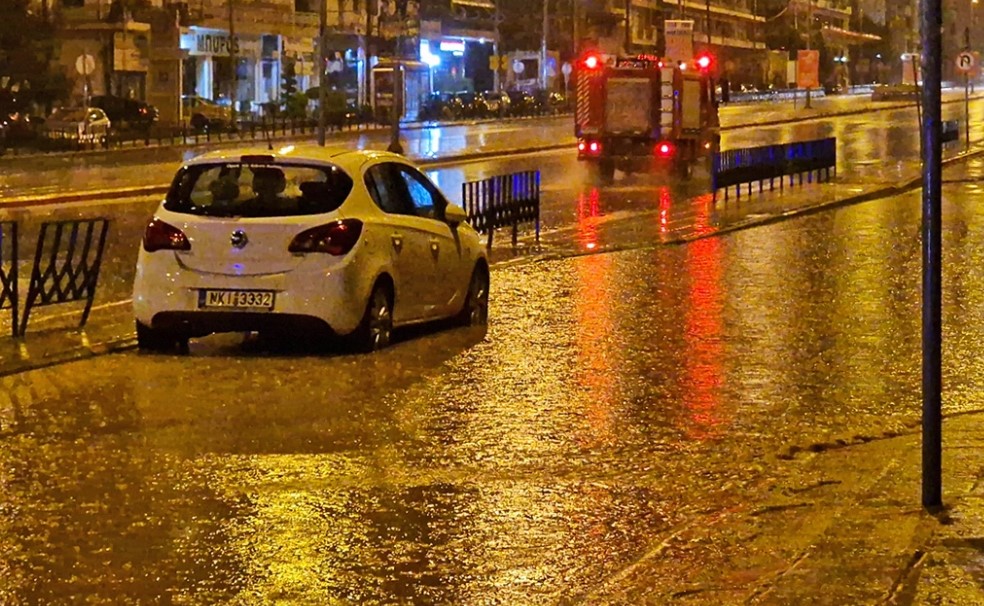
pixel 597 354
pixel 588 211
pixel 703 332
pixel 664 209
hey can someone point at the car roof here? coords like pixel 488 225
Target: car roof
pixel 344 157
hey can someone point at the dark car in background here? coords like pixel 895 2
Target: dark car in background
pixel 523 103
pixel 126 113
pixel 496 103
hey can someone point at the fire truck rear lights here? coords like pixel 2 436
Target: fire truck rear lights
pixel 592 148
pixel 592 62
pixel 704 61
pixel 665 149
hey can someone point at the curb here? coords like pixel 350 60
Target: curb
pixel 156 190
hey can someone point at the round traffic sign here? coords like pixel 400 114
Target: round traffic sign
pixel 518 67
pixel 966 61
pixel 85 64
pixel 566 69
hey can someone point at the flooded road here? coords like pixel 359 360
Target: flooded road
pixel 615 400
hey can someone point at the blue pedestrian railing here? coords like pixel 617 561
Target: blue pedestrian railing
pixel 503 201
pixel 772 163
pixel 950 131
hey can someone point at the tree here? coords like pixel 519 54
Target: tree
pixel 26 48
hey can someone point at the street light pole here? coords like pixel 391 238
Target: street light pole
pixel 322 70
pixel 809 39
pixel 233 60
pixel 932 256
pixel 543 47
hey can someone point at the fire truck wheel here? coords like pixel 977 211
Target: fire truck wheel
pixel 606 171
pixel 684 169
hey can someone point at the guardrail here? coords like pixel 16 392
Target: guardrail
pixel 67 259
pixel 737 167
pixel 8 270
pixel 503 201
pixel 46 140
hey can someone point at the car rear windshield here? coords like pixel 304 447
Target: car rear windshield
pixel 238 189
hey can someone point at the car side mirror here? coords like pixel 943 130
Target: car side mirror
pixel 454 214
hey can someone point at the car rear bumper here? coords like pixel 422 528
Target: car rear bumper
pixel 200 323
pixel 166 295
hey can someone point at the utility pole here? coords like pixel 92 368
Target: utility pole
pixel 576 18
pixel 394 145
pixel 809 38
pixel 543 47
pixel 497 51
pixel 932 291
pixel 322 69
pixel 628 26
pixel 233 60
pixel 707 6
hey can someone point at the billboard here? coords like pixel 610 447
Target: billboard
pixel 679 40
pixel 807 69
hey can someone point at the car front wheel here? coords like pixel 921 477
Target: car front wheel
pixel 476 309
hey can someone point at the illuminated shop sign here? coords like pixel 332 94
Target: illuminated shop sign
pixel 453 46
pixel 217 43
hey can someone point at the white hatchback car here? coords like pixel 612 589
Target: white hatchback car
pixel 348 242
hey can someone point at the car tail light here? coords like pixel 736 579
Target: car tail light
pixel 336 238
pixel 665 149
pixel 581 145
pixel 162 236
pixel 594 147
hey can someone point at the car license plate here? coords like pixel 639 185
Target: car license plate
pixel 236 299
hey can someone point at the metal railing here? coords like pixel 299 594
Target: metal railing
pixel 737 167
pixel 67 258
pixel 503 201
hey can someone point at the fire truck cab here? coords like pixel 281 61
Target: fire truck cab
pixel 636 114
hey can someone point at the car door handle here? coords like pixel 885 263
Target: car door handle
pixel 397 240
pixel 435 246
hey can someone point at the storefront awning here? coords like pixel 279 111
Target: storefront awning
pixel 487 4
pixel 845 37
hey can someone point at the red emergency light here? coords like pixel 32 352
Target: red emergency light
pixel 705 62
pixel 665 149
pixel 592 61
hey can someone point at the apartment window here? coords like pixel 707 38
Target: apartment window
pixel 73 3
pixel 304 6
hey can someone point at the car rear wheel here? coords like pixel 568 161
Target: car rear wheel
pixel 476 309
pixel 149 339
pixel 376 329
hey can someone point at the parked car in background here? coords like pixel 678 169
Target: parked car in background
pixel 496 102
pixel 18 127
pixel 78 124
pixel 523 103
pixel 126 113
pixel 204 114
pixel 308 240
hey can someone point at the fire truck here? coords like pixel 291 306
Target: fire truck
pixel 637 113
